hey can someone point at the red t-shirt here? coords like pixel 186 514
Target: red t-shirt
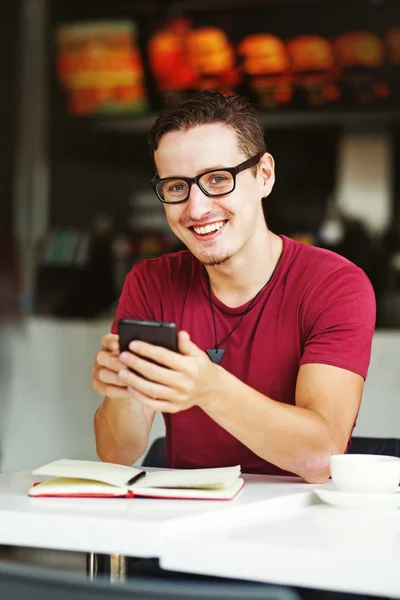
pixel 317 308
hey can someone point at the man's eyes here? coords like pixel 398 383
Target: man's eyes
pixel 218 179
pixel 177 187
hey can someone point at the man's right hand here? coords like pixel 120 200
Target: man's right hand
pixel 121 428
pixel 105 379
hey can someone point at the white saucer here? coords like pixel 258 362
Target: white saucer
pixel 369 500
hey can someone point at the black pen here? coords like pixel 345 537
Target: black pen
pixel 136 478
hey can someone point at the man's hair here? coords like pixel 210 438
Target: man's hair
pixel 206 107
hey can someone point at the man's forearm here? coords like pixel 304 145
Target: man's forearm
pixel 122 430
pixel 295 439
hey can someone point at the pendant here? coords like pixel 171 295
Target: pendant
pixel 216 355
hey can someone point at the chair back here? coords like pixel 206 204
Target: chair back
pixel 21 582
pixel 371 445
pixel 156 454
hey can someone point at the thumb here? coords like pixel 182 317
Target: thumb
pixel 186 346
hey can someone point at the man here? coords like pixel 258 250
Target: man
pixel 275 336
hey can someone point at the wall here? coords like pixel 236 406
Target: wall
pixel 364 178
pixel 50 402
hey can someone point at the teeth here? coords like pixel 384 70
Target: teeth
pixel 208 228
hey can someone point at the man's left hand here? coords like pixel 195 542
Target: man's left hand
pixel 177 382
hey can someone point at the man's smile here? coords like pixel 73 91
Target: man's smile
pixel 208 230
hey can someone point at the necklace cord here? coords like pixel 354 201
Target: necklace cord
pixel 216 344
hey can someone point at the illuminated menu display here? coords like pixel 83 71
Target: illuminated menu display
pixel 100 68
pixel 279 63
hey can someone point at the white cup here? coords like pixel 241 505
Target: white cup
pixel 365 472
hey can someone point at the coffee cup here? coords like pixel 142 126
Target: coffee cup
pixel 365 473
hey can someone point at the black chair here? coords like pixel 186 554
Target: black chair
pixel 369 445
pixel 19 582
pixel 155 456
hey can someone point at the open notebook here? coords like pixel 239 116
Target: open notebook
pixel 92 479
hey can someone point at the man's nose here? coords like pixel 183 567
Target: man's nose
pixel 198 203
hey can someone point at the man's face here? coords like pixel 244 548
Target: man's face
pixel 214 229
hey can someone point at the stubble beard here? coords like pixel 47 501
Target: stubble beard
pixel 214 261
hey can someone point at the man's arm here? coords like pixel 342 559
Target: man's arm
pixel 122 428
pixel 299 438
pixel 121 424
pixel 337 325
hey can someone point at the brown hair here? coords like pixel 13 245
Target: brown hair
pixel 206 107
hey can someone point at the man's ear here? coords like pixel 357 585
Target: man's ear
pixel 267 172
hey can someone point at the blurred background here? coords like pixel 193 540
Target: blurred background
pixel 81 84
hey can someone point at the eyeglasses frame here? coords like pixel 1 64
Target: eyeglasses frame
pixel 250 162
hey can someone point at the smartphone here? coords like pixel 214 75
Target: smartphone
pixel 158 333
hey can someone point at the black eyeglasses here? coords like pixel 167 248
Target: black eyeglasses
pixel 219 182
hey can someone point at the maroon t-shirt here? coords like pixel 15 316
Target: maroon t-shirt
pixel 317 308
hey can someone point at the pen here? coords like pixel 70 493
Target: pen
pixel 136 478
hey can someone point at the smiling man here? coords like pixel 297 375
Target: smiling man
pixel 274 336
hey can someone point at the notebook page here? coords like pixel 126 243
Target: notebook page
pixel 218 478
pixel 64 486
pixel 192 494
pixel 117 475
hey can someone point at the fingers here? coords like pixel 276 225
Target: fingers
pixel 105 379
pixel 110 342
pixel 144 386
pixel 176 361
pixel 106 376
pixel 162 356
pixel 111 391
pixel 156 405
pixel 107 383
pixel 147 369
pixel 110 361
pixel 186 346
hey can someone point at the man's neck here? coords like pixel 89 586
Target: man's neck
pixel 243 276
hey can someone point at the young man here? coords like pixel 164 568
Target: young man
pixel 274 336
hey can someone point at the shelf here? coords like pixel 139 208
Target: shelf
pixel 348 119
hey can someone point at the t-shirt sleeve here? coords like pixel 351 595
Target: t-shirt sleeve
pixel 134 302
pixel 339 321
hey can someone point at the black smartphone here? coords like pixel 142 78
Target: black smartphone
pixel 158 333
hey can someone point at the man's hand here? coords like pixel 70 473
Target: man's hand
pixel 121 423
pixel 177 382
pixel 105 379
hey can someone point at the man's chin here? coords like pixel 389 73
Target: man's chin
pixel 213 260
pixel 209 257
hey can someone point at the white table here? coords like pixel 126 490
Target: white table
pixel 275 531
pixel 117 527
pixel 296 541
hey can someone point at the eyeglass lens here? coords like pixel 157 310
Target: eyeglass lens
pixel 215 183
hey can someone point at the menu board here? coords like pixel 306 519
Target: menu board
pixel 307 58
pixel 184 58
pixel 353 69
pixel 100 68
